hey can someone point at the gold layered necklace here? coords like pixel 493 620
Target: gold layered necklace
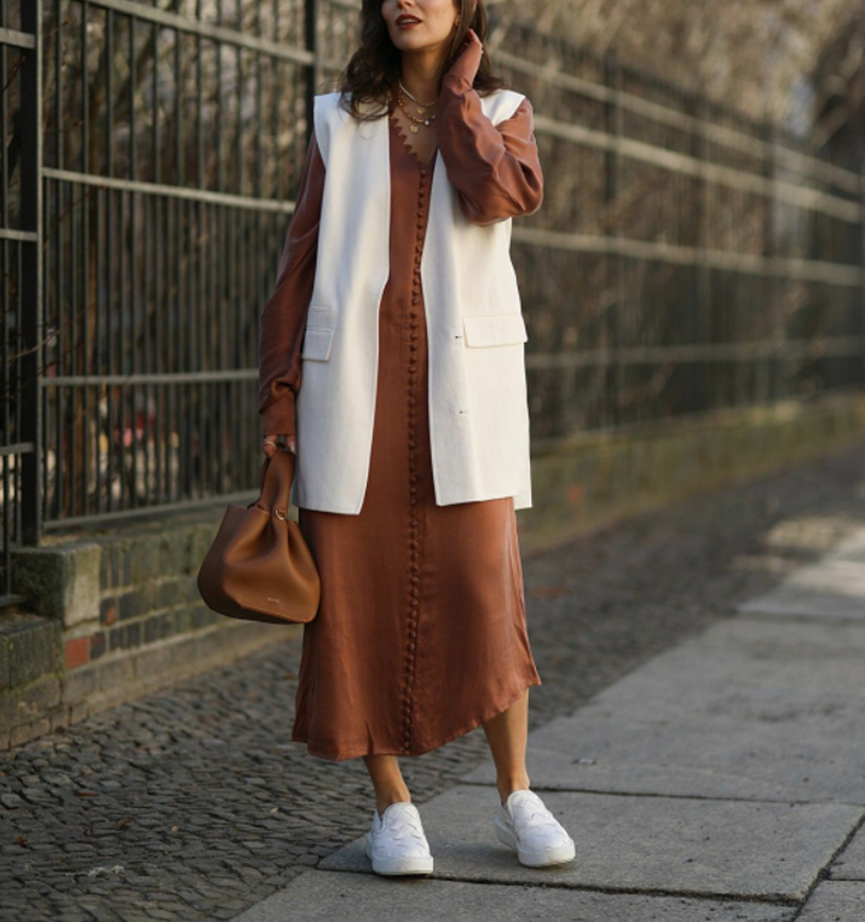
pixel 422 116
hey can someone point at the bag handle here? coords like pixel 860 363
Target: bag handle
pixel 277 474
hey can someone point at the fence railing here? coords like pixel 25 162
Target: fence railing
pixel 685 259
pixel 20 279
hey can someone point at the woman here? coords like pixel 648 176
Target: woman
pixel 421 633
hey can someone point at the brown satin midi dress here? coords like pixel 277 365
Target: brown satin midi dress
pixel 421 633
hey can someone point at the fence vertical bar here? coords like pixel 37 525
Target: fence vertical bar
pixel 860 255
pixel 771 286
pixel 315 67
pixel 613 121
pixel 31 283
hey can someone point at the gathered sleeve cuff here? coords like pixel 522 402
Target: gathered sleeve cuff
pixel 494 167
pixel 283 318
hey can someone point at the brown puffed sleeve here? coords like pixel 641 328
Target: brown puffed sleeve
pixel 283 319
pixel 495 168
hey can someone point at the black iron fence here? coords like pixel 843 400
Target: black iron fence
pixel 20 277
pixel 685 259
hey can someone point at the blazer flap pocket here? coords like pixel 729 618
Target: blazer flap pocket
pixel 317 344
pixel 495 329
pixel 320 317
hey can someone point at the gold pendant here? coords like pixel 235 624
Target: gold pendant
pixel 414 129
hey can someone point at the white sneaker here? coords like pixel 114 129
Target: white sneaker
pixel 526 825
pixel 396 844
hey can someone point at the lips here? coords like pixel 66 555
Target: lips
pixel 407 20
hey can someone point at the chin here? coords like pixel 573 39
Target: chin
pixel 405 43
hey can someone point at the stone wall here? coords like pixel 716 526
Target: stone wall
pixel 592 479
pixel 118 614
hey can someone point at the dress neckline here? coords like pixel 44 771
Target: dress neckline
pixel 408 148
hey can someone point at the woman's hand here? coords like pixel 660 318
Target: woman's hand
pixel 469 59
pixel 269 444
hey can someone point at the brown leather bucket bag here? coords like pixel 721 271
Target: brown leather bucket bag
pixel 259 567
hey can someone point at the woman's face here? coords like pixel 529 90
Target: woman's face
pixel 433 25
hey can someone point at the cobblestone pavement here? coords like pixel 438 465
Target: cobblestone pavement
pixel 193 803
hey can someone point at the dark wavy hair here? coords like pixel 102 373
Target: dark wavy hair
pixel 372 73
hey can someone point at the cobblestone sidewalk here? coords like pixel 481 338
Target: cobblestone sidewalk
pixel 193 804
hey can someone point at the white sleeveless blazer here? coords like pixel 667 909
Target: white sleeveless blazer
pixel 478 409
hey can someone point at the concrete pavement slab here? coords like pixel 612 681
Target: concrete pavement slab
pixel 742 710
pixel 753 759
pixel 744 659
pixel 835 901
pixel 711 848
pixel 834 587
pixel 370 898
pixel 850 864
pixel 850 548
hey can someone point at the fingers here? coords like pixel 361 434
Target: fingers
pixel 271 443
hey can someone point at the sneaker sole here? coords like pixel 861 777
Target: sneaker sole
pixel 393 867
pixel 548 856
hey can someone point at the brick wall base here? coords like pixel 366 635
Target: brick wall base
pixel 119 615
pixel 593 479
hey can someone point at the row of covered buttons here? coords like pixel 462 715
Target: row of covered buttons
pixel 414 580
